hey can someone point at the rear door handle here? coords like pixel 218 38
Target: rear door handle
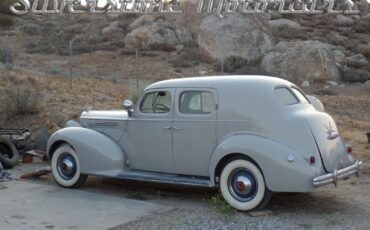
pixel 167 127
pixel 176 128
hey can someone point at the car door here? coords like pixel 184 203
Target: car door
pixel 194 130
pixel 149 132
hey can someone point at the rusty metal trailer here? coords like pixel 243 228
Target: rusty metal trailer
pixel 12 141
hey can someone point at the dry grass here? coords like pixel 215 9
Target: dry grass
pixel 62 98
pixel 350 108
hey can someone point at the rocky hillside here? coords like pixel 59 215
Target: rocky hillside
pixel 62 63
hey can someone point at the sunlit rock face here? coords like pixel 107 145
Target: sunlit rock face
pixel 299 61
pixel 235 34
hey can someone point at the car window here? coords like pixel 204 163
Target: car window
pixel 197 102
pixel 156 102
pixel 286 96
pixel 300 96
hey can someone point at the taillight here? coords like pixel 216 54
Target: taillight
pixel 312 160
pixel 349 149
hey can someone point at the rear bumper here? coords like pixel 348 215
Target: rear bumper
pixel 337 175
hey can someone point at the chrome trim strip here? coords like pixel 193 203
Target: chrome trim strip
pixel 337 175
pixel 165 178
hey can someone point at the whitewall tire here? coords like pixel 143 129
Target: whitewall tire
pixel 243 186
pixel 65 167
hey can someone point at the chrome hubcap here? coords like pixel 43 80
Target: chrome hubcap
pixel 67 166
pixel 242 184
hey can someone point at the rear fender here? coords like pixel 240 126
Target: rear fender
pixel 97 153
pixel 271 157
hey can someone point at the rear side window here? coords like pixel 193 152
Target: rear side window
pixel 286 96
pixel 300 96
pixel 197 102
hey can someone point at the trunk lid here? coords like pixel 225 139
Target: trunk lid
pixel 329 142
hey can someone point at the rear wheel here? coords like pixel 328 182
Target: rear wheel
pixel 65 167
pixel 243 186
pixel 9 155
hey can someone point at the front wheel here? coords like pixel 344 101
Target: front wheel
pixel 65 167
pixel 243 186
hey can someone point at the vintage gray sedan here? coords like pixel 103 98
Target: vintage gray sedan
pixel 248 135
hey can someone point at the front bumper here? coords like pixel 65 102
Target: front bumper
pixel 337 175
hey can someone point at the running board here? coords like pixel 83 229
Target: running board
pixel 165 178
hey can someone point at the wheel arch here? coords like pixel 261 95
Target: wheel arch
pixel 54 146
pixel 270 157
pixel 98 153
pixel 230 157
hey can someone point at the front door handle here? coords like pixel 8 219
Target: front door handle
pixel 176 128
pixel 167 127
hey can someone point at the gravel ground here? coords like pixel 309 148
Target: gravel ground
pixel 344 207
pixel 323 209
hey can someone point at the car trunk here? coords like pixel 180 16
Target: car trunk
pixel 329 142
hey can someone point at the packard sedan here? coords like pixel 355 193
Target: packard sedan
pixel 247 135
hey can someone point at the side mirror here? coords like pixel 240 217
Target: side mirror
pixel 128 105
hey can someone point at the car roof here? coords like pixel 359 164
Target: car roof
pixel 219 82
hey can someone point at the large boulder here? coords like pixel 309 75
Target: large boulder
pixel 342 20
pixel 301 61
pixel 234 35
pixel 151 36
pixel 354 74
pixel 358 60
pixel 158 35
pixel 113 32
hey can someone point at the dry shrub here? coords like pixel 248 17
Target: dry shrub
pixel 4 6
pixel 20 102
pixel 187 57
pixel 6 21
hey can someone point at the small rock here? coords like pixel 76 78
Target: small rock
pixel 111 33
pixel 366 16
pixel 345 21
pixel 142 20
pixel 111 17
pixel 339 57
pixel 276 15
pixel 179 47
pixel 115 24
pixel 367 83
pixel 358 60
pixel 184 35
pixel 334 83
pixel 202 72
pixel 260 213
pixel 284 23
pixel 326 87
pixel 356 17
pixel 305 84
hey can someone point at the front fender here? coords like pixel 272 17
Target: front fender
pixel 97 153
pixel 280 174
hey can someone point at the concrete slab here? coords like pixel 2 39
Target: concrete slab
pixel 25 205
